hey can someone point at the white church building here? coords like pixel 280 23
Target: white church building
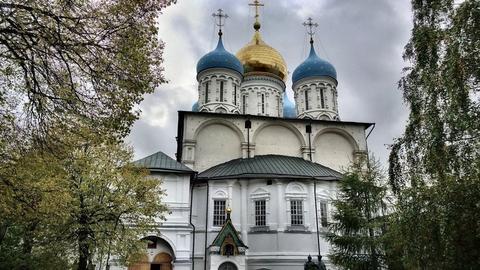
pixel 254 174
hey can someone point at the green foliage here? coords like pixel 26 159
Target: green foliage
pixel 356 232
pixel 435 165
pixel 75 206
pixel 71 73
pixel 90 60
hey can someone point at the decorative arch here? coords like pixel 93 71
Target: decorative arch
pixel 220 194
pixel 294 188
pixel 220 122
pixel 283 124
pixel 259 191
pixel 165 241
pixel 324 117
pixel 228 265
pixel 340 132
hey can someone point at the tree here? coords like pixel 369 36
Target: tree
pixel 435 165
pixel 358 226
pixel 87 60
pixel 78 205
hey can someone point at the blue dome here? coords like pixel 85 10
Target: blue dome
pixel 219 58
pixel 313 66
pixel 195 107
pixel 289 110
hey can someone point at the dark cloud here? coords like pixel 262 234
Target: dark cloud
pixel 363 39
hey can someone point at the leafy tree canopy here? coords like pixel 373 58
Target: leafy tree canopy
pixel 435 165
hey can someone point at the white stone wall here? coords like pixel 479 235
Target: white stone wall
pixel 229 101
pixel 210 140
pixel 278 247
pixel 262 95
pixel 316 88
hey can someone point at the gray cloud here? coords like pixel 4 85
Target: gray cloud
pixel 363 39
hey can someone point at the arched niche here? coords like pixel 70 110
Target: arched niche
pixel 278 139
pixel 334 148
pixel 216 142
pixel 227 266
pixel 295 188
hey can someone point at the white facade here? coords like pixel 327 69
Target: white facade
pixel 275 216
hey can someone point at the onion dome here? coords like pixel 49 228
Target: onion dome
pixel 289 110
pixel 219 58
pixel 313 66
pixel 257 56
pixel 195 107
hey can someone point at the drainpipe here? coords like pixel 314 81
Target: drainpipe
pixel 206 228
pixel 191 223
pixel 308 130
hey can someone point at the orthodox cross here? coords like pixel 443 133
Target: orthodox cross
pixel 256 4
pixel 220 18
pixel 310 28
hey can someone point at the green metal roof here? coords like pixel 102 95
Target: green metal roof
pixel 269 166
pixel 160 162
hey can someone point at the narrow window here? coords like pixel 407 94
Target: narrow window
pixel 263 103
pixel 278 105
pixel 322 99
pixel 296 212
pixel 306 99
pixel 206 92
pixel 235 94
pixel 260 213
pixel 323 214
pixel 221 91
pixel 334 95
pixel 244 101
pixel 218 212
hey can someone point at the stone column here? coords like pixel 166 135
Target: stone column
pixel 244 210
pixel 280 206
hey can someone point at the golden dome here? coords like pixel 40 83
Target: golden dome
pixel 257 56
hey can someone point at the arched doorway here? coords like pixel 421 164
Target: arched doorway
pixel 227 266
pixel 162 261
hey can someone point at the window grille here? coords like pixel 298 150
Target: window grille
pixel 218 212
pixel 296 212
pixel 260 213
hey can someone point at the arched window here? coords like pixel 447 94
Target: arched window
pixel 227 266
pixel 206 92
pixel 306 100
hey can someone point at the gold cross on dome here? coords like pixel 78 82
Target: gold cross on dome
pixel 310 27
pixel 256 4
pixel 220 18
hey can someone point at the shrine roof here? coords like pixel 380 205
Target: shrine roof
pixel 270 166
pixel 161 162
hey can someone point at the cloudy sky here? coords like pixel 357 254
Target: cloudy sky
pixel 364 40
